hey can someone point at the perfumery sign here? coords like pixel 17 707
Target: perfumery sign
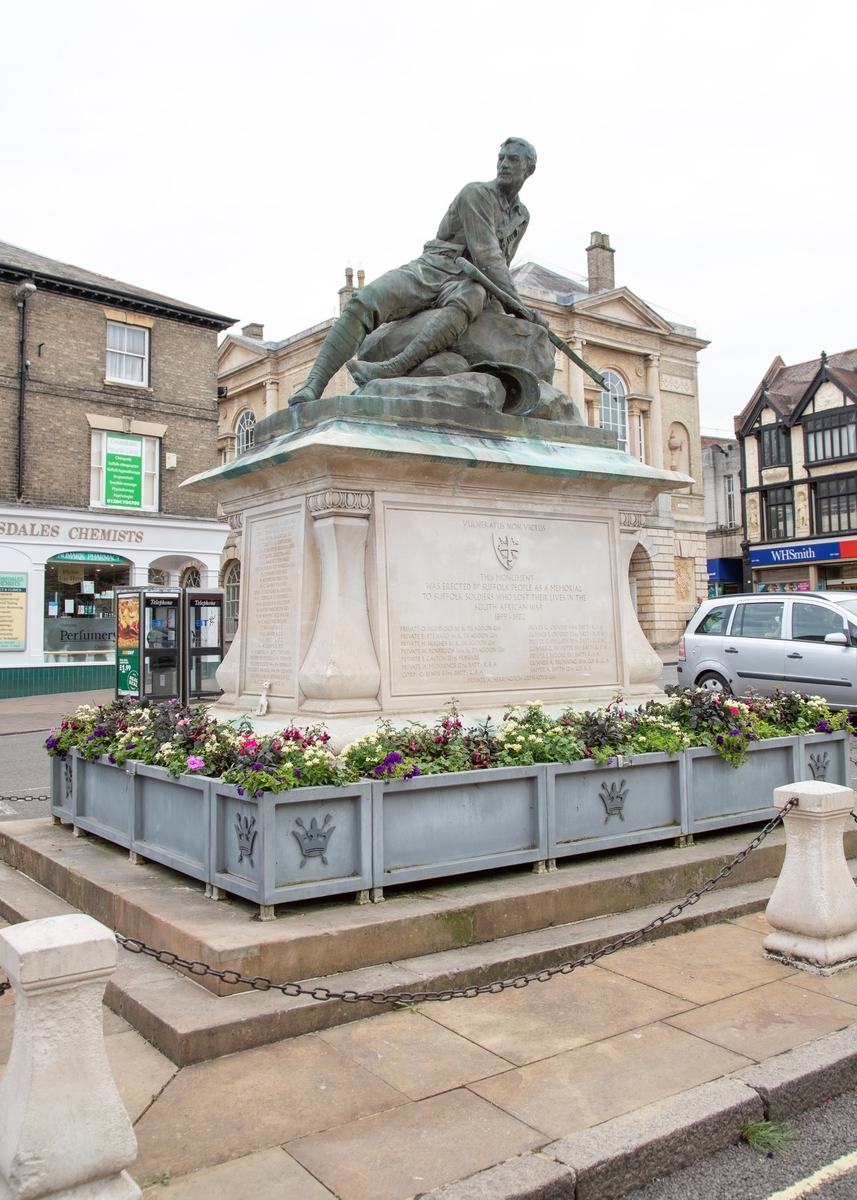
pixel 13 612
pixel 123 471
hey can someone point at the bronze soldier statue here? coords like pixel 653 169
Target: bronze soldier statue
pixel 484 226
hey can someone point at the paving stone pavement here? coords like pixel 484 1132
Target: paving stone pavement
pixel 404 1102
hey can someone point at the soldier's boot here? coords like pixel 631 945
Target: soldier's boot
pixel 344 339
pixel 442 330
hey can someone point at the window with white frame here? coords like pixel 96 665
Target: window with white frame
pixel 729 486
pixel 232 597
pixel 245 431
pixel 614 407
pixel 127 354
pixel 124 471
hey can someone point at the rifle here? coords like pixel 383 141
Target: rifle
pixel 517 309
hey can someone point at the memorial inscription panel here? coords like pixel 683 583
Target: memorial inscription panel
pixel 480 602
pixel 270 581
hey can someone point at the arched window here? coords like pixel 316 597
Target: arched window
pixel 232 590
pixel 614 407
pixel 245 430
pixel 190 577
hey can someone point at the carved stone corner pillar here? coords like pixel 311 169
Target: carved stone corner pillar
pixel 340 673
pixel 643 664
pixel 272 396
pixel 653 386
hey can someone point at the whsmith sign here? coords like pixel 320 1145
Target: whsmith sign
pixel 784 556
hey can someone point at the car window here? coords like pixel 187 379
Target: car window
pixel 763 620
pixel 813 622
pixel 715 621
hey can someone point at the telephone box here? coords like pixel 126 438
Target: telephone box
pixel 203 640
pixel 149 643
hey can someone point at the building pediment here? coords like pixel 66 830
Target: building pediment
pixel 623 306
pixel 238 352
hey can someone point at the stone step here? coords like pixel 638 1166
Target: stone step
pixel 190 1024
pixel 329 937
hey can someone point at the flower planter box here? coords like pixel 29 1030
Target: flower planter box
pixel 172 819
pixel 632 801
pixel 438 825
pixel 103 799
pixel 313 842
pixel 719 796
pixel 296 845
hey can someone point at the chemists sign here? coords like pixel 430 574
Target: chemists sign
pixel 123 471
pixel 13 612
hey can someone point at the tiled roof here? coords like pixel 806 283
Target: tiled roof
pixel 75 280
pixel 786 385
pixel 565 290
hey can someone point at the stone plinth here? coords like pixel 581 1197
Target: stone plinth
pixel 396 554
pixel 814 906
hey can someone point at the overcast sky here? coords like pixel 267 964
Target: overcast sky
pixel 237 155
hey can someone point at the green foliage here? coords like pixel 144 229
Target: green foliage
pixel 191 741
pixel 769 1137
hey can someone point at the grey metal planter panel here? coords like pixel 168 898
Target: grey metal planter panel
pixel 62 786
pixel 294 845
pixel 720 795
pixel 104 800
pixel 172 820
pixel 825 756
pixel 597 807
pixel 450 824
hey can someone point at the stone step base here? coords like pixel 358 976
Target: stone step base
pixel 330 937
pixel 190 1024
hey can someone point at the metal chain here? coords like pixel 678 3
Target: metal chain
pixel 261 983
pixel 14 798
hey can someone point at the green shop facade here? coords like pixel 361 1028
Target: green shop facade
pixel 59 571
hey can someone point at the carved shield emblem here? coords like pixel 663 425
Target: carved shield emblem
pixel 506 549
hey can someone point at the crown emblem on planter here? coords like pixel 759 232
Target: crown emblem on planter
pixel 313 841
pixel 245 827
pixel 818 764
pixel 613 796
pixel 506 549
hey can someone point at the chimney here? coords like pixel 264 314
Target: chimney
pixel 599 262
pixel 345 293
pixel 361 275
pixel 253 330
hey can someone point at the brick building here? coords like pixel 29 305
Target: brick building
pixel 798 438
pixel 107 402
pixel 652 407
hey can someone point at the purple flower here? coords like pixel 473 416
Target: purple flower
pixel 195 762
pixel 256 767
pixel 297 774
pixel 111 758
pixel 99 732
pixel 51 743
pixel 259 792
pixel 719 739
pixel 130 745
pixel 823 727
pixel 240 791
pixel 734 732
pixel 413 771
pixel 389 764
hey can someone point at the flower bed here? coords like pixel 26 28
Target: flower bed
pixel 206 798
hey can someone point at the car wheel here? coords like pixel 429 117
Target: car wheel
pixel 710 681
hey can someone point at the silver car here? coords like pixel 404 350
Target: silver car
pixel 801 641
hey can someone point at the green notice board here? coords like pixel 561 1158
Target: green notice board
pixel 13 612
pixel 123 471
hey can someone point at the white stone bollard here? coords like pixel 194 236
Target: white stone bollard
pixel 814 905
pixel 64 1132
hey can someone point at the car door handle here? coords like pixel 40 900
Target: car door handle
pixel 730 651
pixel 794 656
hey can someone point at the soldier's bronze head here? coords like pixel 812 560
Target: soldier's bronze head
pixel 524 148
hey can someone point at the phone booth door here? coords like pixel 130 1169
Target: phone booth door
pixel 204 641
pixel 128 605
pixel 161 645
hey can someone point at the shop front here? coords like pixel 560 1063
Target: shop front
pixel 724 577
pixel 59 572
pixel 805 567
